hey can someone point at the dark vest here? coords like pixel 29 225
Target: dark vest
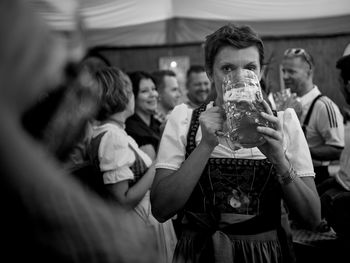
pixel 239 186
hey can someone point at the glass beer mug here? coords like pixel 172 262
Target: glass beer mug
pixel 243 104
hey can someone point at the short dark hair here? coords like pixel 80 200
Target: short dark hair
pixel 195 69
pixel 344 65
pixel 159 75
pixel 231 35
pixel 136 77
pixel 114 96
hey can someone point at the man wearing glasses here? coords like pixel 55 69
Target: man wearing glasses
pixel 321 119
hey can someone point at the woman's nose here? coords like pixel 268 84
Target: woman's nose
pixel 238 75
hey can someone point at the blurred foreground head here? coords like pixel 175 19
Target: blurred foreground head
pixel 49 216
pixel 32 60
pixel 41 74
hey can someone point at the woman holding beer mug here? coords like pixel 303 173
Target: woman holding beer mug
pixel 226 186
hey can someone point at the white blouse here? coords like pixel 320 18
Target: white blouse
pixel 172 148
pixel 115 153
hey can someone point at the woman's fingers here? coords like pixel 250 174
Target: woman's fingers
pixel 268 115
pixel 267 107
pixel 273 119
pixel 211 120
pixel 217 109
pixel 269 132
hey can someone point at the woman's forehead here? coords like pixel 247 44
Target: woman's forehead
pixel 146 82
pixel 229 54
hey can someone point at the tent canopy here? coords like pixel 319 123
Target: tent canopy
pixel 125 23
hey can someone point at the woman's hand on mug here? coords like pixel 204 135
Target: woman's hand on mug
pixel 211 122
pixel 273 147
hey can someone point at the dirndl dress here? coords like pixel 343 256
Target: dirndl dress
pixel 234 212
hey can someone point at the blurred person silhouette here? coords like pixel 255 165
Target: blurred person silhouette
pixel 335 196
pixel 78 161
pixel 169 93
pixel 48 215
pixel 231 197
pixel 321 118
pixel 142 126
pixel 126 171
pixel 198 86
pixel 94 60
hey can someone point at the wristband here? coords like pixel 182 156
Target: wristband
pixel 288 177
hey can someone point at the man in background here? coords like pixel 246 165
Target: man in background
pixel 169 93
pixel 321 119
pixel 197 85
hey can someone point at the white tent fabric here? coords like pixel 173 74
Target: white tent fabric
pixel 110 14
pixel 260 10
pixel 167 22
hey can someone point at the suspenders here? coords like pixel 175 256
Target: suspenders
pixel 308 115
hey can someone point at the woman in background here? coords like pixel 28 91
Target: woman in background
pixel 142 126
pixel 127 172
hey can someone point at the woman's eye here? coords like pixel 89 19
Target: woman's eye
pixel 227 69
pixel 252 67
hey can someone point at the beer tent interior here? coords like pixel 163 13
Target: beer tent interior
pixel 138 34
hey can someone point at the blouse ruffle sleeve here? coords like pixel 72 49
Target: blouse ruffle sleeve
pixel 115 158
pixel 295 144
pixel 172 146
